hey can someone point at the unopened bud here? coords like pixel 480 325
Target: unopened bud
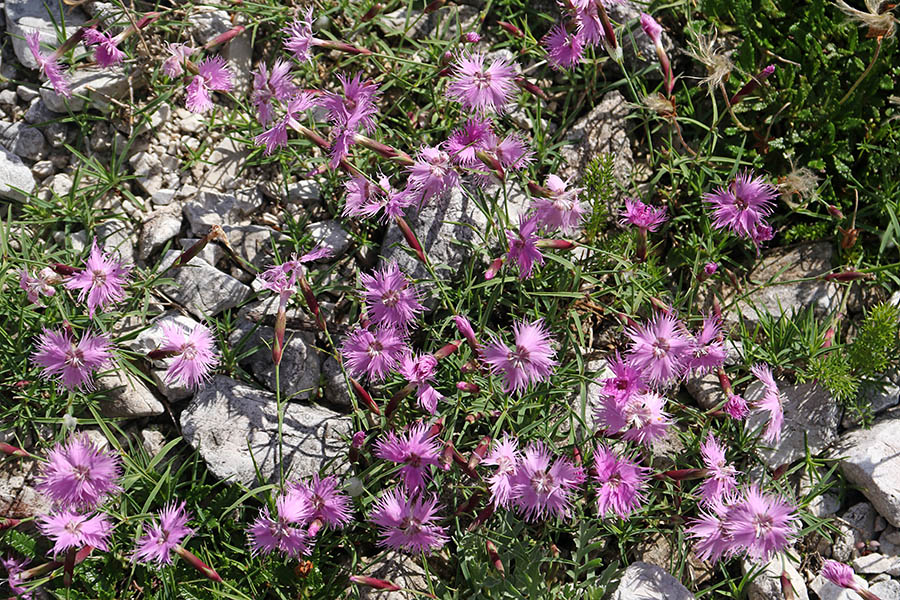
pixel 379 584
pixel 493 268
pixel 752 85
pixel 494 556
pixel 468 387
pixel 198 564
pixel 510 28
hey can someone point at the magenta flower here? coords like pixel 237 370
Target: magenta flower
pixel 565 49
pixel 639 418
pixel 465 328
pixel 771 402
pixel 710 268
pixel 562 211
pixel 720 483
pixel 276 136
pixel 707 350
pixel 736 407
pixel 712 538
pixel 463 144
pixel 213 76
pixel 589 26
pixel 416 450
pixel 660 348
pixel 270 86
pixel 14 568
pixel 173 66
pixel 42 285
pixel 70 530
pixel 107 52
pixel 101 280
pixel 621 483
pixel 351 113
pixel 531 362
pixel 406 522
pixel 73 364
pixel 373 353
pixel 281 533
pixel 479 88
pixel 195 354
pixel 839 574
pixel 78 475
pixel 643 216
pixel 523 248
pixel 300 39
pixel 651 28
pixel 432 173
pixel 49 65
pixel 626 381
pixel 328 504
pixel 543 489
pixel 505 456
pixel 512 152
pixel 743 206
pixel 391 298
pixel 762 524
pixel 419 371
pixel 163 536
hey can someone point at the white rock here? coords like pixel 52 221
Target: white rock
pixel 330 234
pixel 855 527
pixel 886 590
pixel 127 397
pixel 16 180
pixel 115 235
pixel 399 569
pixel 303 192
pixel 213 208
pixel 201 288
pixel 97 85
pixel 767 584
pixel 23 140
pixel 643 581
pixel 875 564
pixel 159 228
pixel 300 363
pixel 24 16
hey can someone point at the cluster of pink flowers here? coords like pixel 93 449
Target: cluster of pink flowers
pixel 588 26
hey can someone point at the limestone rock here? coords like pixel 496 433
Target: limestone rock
pixel 330 235
pixel 642 581
pixel 875 564
pixel 201 288
pixel 209 208
pixel 24 16
pixel 159 228
pixel 96 84
pixel 25 141
pixel 127 397
pixel 233 424
pixel 16 180
pixel 304 192
pixel 300 363
pixel 856 527
pixel 337 391
pixel 400 570
pixel 18 498
pixel 767 584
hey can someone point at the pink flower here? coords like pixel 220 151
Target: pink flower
pixel 195 354
pixel 419 371
pixel 743 206
pixel 736 407
pixel 464 143
pixel 839 574
pixel 626 381
pixel 651 28
pixel 269 86
pixel 661 348
pixel 416 450
pixel 328 504
pixel 621 483
pixel 564 49
pixel 505 456
pixel 465 328
pixel 74 364
pixel 70 530
pixel 512 152
pixel 282 533
pixel 300 37
pixel 643 216
pixel 163 536
pixel 101 280
pixel 276 136
pixel 707 350
pixel 78 475
pixel 351 113
pixel 406 522
pixel 771 402
pixel 762 524
pixel 48 64
pixel 640 417
pixel 107 52
pixel 543 489
pixel 432 173
pixel 366 200
pixel 373 353
pixel 391 298
pixel 589 28
pixel 42 285
pixel 720 483
pixel 523 248
pixel 562 211
pixel 712 538
pixel 178 55
pixel 531 362
pixel 213 76
pixel 479 88
pixel 710 268
pixel 14 568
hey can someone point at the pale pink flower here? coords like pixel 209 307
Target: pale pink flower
pixel 68 529
pixel 163 536
pixel 770 402
pixel 643 216
pixel 101 280
pixel 41 285
pixel 480 88
pixel 350 113
pixel 432 172
pixel 565 49
pixel 173 66
pixel 374 353
pixel 505 456
pixel 530 362
pixel 213 76
pixel 49 65
pixel 72 363
pixel 720 483
pixel 391 298
pixel 621 483
pixel 78 475
pixel 270 86
pixel 406 522
pixel 107 52
pixel 660 348
pixel 194 354
pixel 562 211
pixel 419 370
pixel 762 524
pixel 523 250
pixel 463 144
pixel 542 486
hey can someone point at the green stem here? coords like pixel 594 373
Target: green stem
pixel 864 73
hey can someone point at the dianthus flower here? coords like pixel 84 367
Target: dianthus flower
pixel 300 36
pixel 531 362
pixel 432 172
pixel 68 529
pixel 194 352
pixel 660 348
pixel 416 450
pixel 770 402
pixel 365 199
pixel 350 113
pixel 711 535
pixel 643 216
pixel 373 353
pixel 284 532
pixel 162 537
pixel 107 52
pixel 72 363
pixel 561 211
pixel 589 26
pixel 743 206
pixel 78 475
pixel 391 298
pixel 14 568
pixel 512 152
pixel 736 407
pixel 565 49
pixel 101 280
pixel 839 574
pixel 523 248
pixel 707 350
pixel 173 66
pixel 720 481
pixel 49 65
pixel 463 144
pixel 621 483
pixel 505 456
pixel 479 88
pixel 626 380
pixel 328 505
pixel 640 417
pixel 213 75
pixel 543 489
pixel 405 522
pixel 42 285
pixel 276 136
pixel 269 86
pixel 762 524
pixel 419 371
